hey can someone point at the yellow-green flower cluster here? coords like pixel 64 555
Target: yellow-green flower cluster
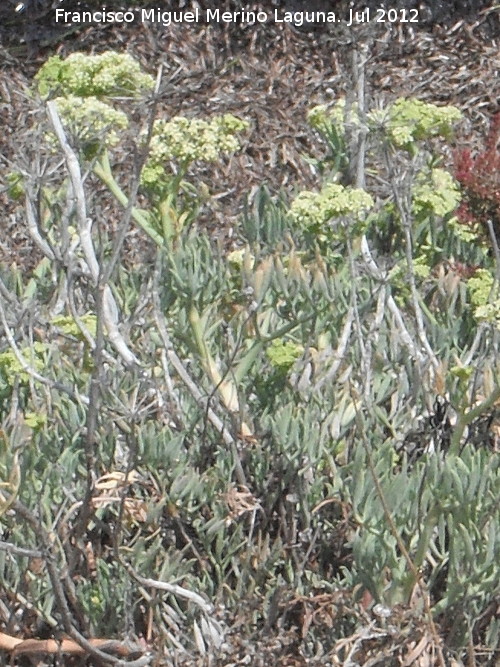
pixel 436 193
pixel 411 120
pixel 237 258
pixel 91 121
pixel 80 83
pixel 406 121
pixel 69 326
pixel 10 367
pixel 334 200
pixel 318 117
pixel 321 117
pixel 283 354
pixel 189 139
pixel 421 267
pixel 470 233
pixel 484 297
pixel 109 74
pixel 398 275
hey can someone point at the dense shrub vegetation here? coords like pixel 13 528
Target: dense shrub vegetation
pixel 304 429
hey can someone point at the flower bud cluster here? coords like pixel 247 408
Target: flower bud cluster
pixel 322 117
pixel 435 193
pixel 411 120
pixel 318 208
pixel 283 354
pixel 108 74
pixel 187 140
pixel 80 83
pixel 485 297
pixel 405 121
pixel 92 122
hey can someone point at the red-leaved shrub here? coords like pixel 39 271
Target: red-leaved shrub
pixel 479 176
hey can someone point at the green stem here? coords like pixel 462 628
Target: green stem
pixel 165 208
pixel 102 169
pixel 225 387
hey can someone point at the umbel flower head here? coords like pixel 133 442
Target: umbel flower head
pixel 435 193
pixel 283 354
pixel 322 117
pixel 187 140
pixel 485 297
pixel 92 123
pixel 83 85
pixel 314 210
pixel 405 121
pixel 411 120
pixel 108 74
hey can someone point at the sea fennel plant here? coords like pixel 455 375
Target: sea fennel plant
pixel 88 91
pixel 230 458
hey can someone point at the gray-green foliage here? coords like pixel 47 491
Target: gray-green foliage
pixel 317 366
pixel 446 512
